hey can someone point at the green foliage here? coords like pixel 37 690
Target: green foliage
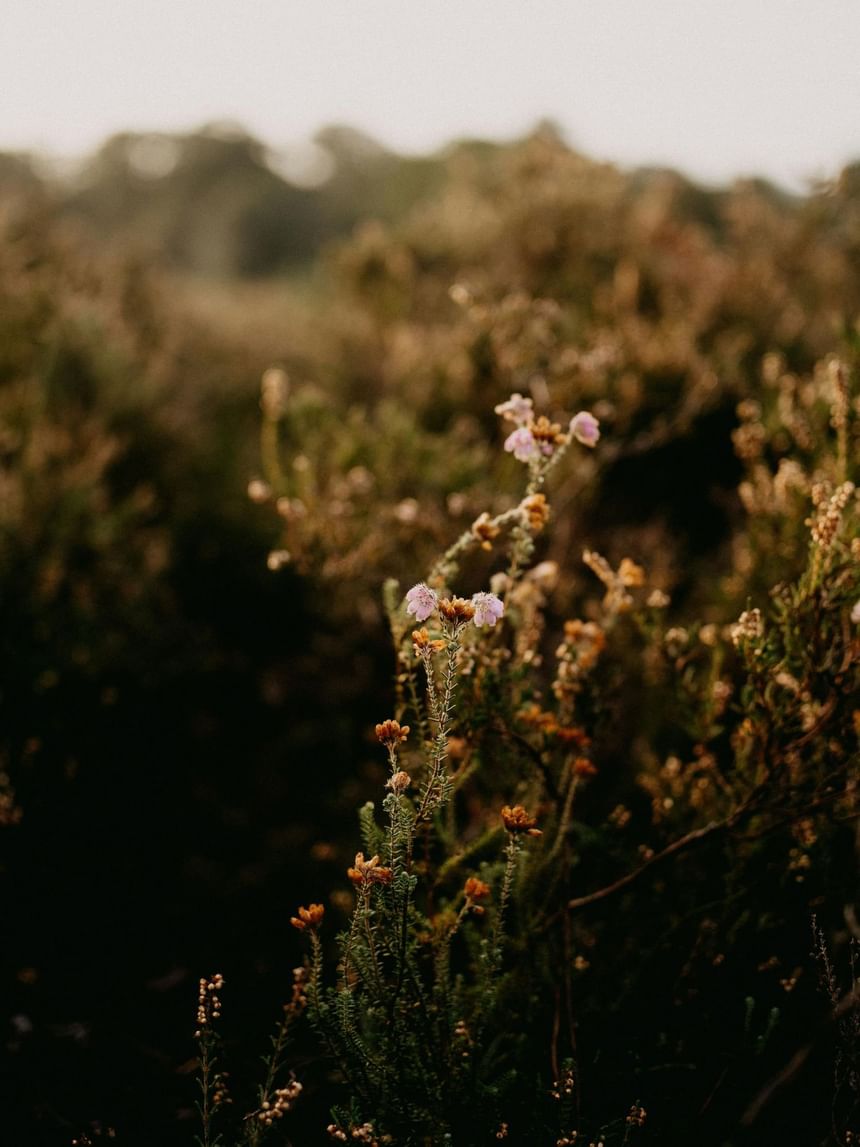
pixel 112 410
pixel 450 1019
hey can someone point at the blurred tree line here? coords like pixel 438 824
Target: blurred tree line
pixel 215 201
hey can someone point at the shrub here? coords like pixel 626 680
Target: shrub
pixel 598 850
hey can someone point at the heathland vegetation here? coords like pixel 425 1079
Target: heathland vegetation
pixel 606 883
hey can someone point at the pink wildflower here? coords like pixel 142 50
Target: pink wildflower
pixel 855 613
pixel 521 443
pixel 421 601
pixel 488 608
pixel 585 428
pixel 517 409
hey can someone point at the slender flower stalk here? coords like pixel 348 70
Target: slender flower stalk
pixel 440 710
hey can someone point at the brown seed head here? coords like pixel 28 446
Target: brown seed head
pixel 485 531
pixel 536 510
pixel 421 640
pixel 545 431
pixel 517 820
pixel 368 871
pixel 583 767
pixel 570 735
pixel 362 867
pixel 476 889
pixel 456 610
pixel 399 782
pixel 392 733
pixel 310 917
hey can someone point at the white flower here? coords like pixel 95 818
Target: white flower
pixel 421 601
pixel 517 409
pixel 585 428
pixel 488 608
pixel 521 443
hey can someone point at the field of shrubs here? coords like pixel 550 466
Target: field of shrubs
pixel 437 645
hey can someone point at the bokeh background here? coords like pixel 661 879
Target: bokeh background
pixel 191 193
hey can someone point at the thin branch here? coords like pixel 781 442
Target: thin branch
pixel 695 837
pixel 698 835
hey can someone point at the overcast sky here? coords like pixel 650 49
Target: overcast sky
pixel 716 87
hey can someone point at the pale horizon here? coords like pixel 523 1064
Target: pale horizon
pixel 716 90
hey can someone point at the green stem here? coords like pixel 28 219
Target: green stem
pixel 441 711
pixel 269 454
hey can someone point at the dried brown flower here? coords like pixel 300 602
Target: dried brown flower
pixel 571 735
pixel 310 917
pixel 517 820
pixel 583 767
pixel 456 610
pixel 536 510
pixel 421 640
pixel 549 432
pixel 366 872
pixel 476 889
pixel 392 733
pixel 485 531
pixel 398 782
